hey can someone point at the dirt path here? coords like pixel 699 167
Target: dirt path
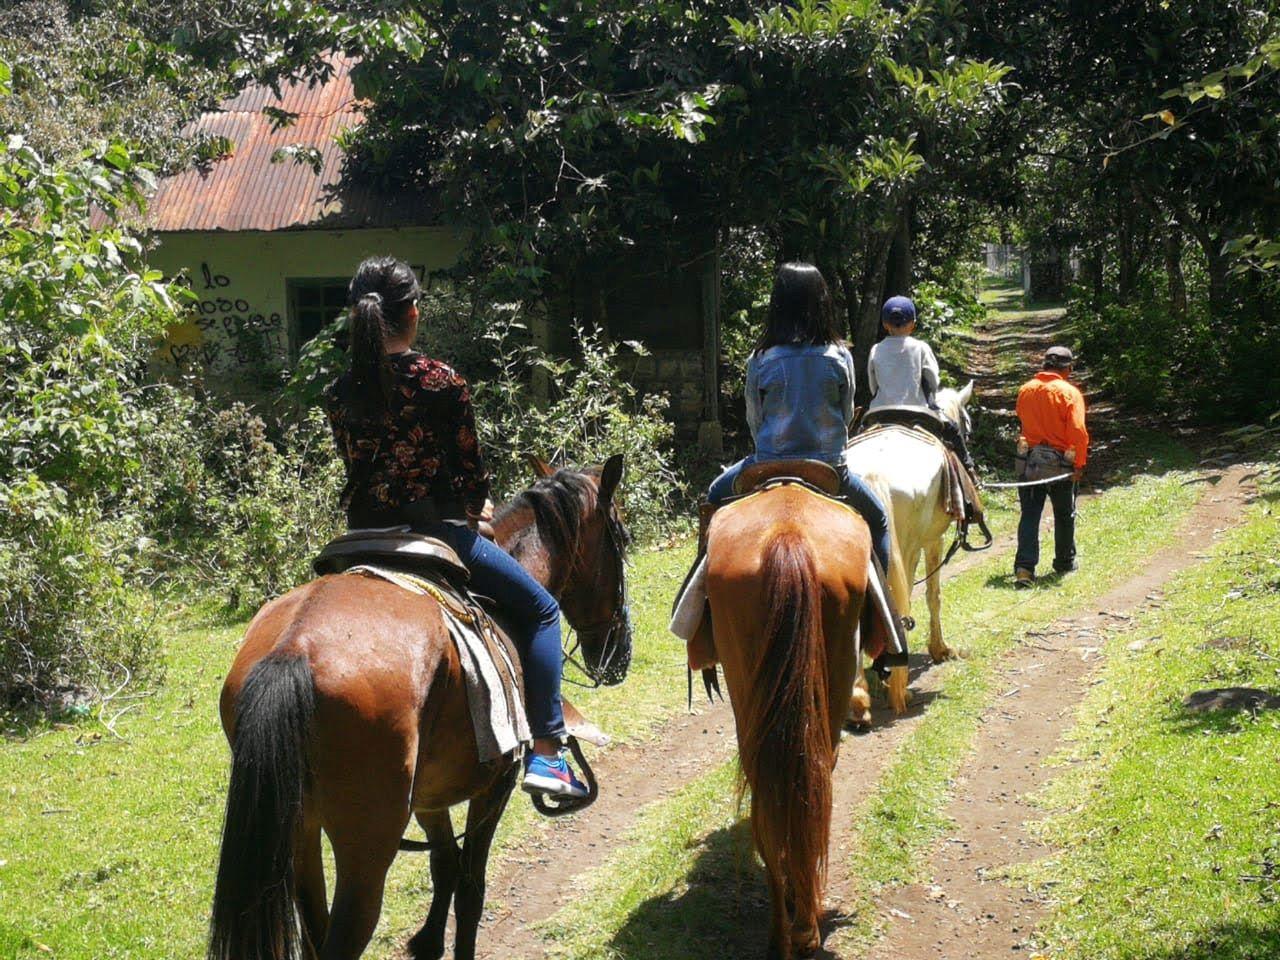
pixel 537 877
pixel 965 911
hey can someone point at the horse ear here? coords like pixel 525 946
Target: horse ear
pixel 966 394
pixel 610 477
pixel 540 467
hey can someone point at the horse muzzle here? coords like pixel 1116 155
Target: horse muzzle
pixel 609 661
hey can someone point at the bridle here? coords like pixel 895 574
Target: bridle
pixel 616 657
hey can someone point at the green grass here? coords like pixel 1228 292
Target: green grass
pixel 1168 823
pixel 108 846
pixel 677 858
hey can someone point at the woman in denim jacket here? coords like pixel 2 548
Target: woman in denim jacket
pixel 800 383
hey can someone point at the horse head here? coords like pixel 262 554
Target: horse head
pixel 955 406
pixel 580 528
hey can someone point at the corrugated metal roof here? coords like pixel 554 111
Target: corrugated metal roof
pixel 246 191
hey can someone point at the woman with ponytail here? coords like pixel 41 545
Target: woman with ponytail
pixel 406 431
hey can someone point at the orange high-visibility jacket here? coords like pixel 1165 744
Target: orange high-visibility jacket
pixel 1052 412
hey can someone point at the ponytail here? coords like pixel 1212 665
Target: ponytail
pixel 369 366
pixel 379 297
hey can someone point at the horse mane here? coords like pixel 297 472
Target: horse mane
pixel 954 405
pixel 559 504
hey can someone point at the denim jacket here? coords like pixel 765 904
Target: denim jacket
pixel 800 401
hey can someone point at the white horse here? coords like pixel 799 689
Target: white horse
pixel 910 476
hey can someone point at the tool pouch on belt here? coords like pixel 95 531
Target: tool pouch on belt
pixel 1040 463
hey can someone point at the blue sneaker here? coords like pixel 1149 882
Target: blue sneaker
pixel 551 776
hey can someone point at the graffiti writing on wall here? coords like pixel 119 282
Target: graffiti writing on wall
pixel 233 333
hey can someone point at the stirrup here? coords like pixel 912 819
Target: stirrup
pixel 553 806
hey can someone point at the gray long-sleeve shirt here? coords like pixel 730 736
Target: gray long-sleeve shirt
pixel 902 372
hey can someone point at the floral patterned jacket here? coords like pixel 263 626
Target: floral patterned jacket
pixel 424 448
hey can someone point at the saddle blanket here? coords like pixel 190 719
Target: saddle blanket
pixel 492 679
pixel 958 489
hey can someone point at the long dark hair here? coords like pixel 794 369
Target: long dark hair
pixel 379 297
pixel 800 309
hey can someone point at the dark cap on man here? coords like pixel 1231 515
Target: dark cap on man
pixel 898 311
pixel 1058 357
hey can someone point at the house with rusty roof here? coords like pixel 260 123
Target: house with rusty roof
pixel 267 241
pixel 268 245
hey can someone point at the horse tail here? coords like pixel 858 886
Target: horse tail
pixel 898 583
pixel 785 739
pixel 253 914
pixel 899 580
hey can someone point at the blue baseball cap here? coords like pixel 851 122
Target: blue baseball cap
pixel 898 311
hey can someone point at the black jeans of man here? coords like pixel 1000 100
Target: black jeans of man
pixel 1062 494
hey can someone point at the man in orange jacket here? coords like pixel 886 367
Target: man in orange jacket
pixel 1054 443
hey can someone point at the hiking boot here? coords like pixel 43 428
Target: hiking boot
pixel 552 776
pixel 1023 578
pixel 1068 567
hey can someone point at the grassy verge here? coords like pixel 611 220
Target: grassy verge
pixel 673 901
pixel 108 843
pixel 1167 821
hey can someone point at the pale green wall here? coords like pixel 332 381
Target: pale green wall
pixel 240 336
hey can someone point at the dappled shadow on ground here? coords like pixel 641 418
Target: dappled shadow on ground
pixel 1222 711
pixel 883 717
pixel 1003 580
pixel 1226 941
pixel 722 910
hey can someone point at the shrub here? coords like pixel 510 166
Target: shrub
pixel 70 619
pixel 592 413
pixel 233 510
pixel 77 320
pixel 271 507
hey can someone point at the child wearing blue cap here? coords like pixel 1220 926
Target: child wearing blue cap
pixel 903 372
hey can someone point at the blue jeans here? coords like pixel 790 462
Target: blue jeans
pixel 853 488
pixel 531 611
pixel 1062 495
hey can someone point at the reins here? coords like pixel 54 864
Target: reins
pixel 1028 483
pixel 619 619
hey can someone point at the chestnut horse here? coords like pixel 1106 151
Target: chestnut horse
pixel 786 577
pixel 347 713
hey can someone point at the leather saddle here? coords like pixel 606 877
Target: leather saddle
pixel 924 419
pixel 400 549
pixel 814 474
pixel 395 547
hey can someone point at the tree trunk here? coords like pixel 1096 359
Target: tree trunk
pixel 1173 270
pixel 1094 271
pixel 868 320
pixel 1128 260
pixel 1215 262
pixel 899 273
pixel 851 302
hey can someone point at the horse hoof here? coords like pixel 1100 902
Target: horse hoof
pixel 860 722
pixel 805 946
pixel 943 655
pixel 425 946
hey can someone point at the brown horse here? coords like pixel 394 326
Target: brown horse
pixel 347 713
pixel 786 577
